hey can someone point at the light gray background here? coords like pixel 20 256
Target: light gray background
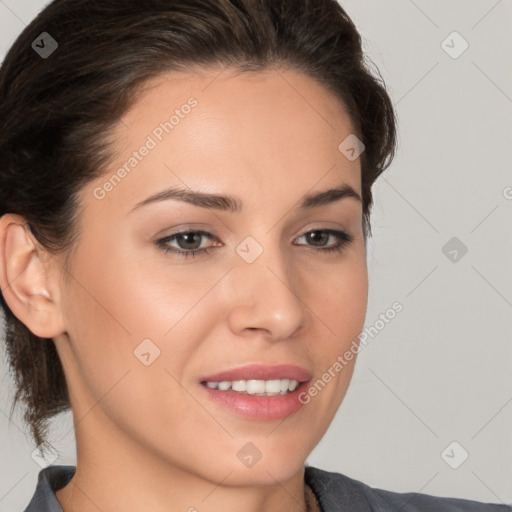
pixel 440 370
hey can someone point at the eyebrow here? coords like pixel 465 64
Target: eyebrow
pixel 235 205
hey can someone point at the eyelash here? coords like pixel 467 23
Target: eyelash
pixel 343 237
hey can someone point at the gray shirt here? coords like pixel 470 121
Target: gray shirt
pixel 335 493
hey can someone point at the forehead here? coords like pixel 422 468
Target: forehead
pixel 229 89
pixel 218 130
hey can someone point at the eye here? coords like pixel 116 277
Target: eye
pixel 189 242
pixel 319 236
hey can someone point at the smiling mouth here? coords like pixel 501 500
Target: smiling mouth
pixel 272 387
pixel 258 392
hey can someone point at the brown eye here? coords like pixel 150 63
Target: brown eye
pixel 318 238
pixel 188 242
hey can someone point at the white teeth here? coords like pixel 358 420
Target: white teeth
pixel 239 385
pixel 256 387
pixel 293 384
pixel 273 386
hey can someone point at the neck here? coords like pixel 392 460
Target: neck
pixel 113 472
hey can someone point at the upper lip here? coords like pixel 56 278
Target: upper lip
pixel 261 372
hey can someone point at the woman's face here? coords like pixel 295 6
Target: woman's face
pixel 146 327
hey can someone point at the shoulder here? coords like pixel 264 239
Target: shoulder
pixel 49 480
pixel 335 492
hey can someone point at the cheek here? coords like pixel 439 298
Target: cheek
pixel 109 322
pixel 109 311
pixel 126 300
pixel 342 301
pixel 341 305
pixel 113 308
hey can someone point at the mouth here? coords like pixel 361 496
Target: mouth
pixel 273 387
pixel 260 392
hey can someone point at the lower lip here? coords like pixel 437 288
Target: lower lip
pixel 258 407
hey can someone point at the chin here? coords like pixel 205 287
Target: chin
pixel 271 461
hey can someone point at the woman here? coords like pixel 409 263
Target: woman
pixel 185 200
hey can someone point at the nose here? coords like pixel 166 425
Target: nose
pixel 266 297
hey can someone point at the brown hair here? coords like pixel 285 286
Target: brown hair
pixel 55 113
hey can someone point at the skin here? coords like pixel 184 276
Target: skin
pixel 150 431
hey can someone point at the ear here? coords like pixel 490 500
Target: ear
pixel 28 279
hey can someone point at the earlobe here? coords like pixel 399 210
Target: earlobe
pixel 27 285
